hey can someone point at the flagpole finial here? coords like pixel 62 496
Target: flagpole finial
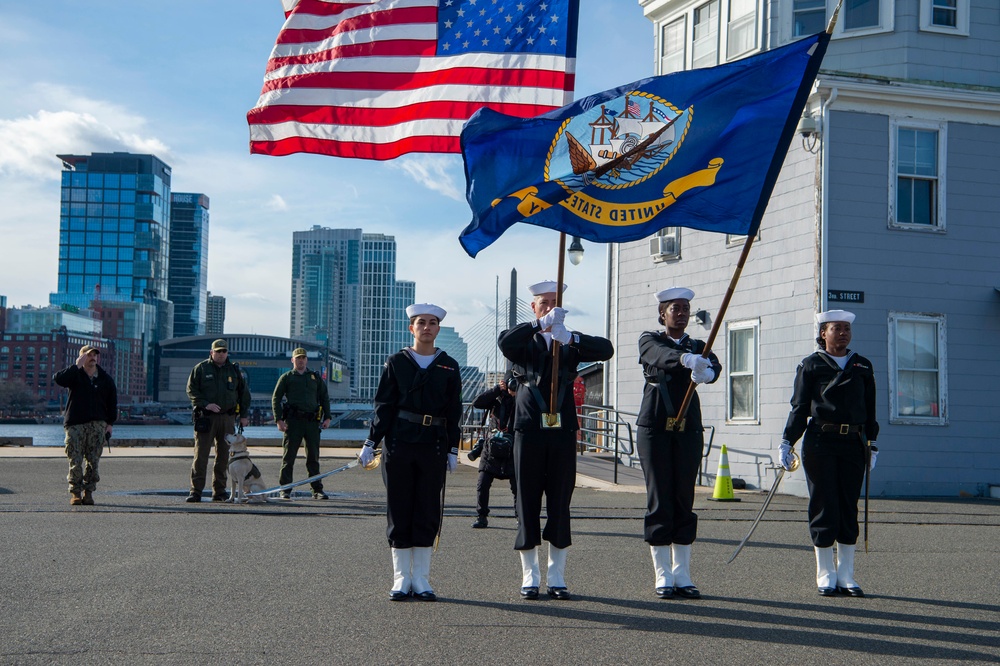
pixel 833 19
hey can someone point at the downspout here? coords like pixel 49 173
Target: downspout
pixel 824 225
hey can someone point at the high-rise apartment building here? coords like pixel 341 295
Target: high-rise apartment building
pixel 114 227
pixel 215 314
pixel 345 295
pixel 187 277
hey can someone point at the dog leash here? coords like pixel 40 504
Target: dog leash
pixel 289 486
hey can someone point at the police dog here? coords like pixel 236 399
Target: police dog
pixel 243 474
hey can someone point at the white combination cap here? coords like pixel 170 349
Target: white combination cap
pixel 545 287
pixel 673 293
pixel 834 315
pixel 425 309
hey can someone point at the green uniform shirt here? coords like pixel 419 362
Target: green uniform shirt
pixel 208 383
pixel 306 392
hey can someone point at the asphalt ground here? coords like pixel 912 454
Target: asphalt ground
pixel 145 578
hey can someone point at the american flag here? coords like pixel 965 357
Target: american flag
pixel 383 78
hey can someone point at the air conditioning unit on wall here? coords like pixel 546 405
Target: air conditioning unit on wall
pixel 662 248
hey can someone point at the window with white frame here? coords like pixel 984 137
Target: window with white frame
pixel 917 176
pixel 808 17
pixel 742 28
pixel 705 44
pixel 917 369
pixel 863 17
pixel 945 16
pixel 672 46
pixel 743 371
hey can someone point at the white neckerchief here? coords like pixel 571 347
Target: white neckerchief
pixel 423 360
pixel 839 360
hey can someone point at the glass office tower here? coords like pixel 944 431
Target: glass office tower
pixel 187 277
pixel 114 225
pixel 346 296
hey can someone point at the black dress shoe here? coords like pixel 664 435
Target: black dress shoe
pixel 481 522
pixel 529 593
pixel 193 497
pixel 827 591
pixel 665 592
pixel 398 595
pixel 851 591
pixel 687 592
pixel 560 593
pixel 425 596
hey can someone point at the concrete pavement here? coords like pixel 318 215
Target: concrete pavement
pixel 144 578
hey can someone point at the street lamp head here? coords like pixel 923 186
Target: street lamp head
pixel 575 251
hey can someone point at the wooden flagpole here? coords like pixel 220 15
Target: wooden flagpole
pixel 552 418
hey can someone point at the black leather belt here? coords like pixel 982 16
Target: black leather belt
pixel 839 428
pixel 423 419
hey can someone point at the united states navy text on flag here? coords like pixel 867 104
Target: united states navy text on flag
pixel 699 148
pixel 380 79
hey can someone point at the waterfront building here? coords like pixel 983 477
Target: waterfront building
pixel 187 277
pixel 345 295
pixel 215 314
pixel 114 225
pixel 886 206
pixel 36 342
pixel 262 358
pixel 449 340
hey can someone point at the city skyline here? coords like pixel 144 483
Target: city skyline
pixel 120 92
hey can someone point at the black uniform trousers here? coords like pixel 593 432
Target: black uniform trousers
pixel 483 485
pixel 835 472
pixel 544 464
pixel 414 475
pixel 296 431
pixel 670 462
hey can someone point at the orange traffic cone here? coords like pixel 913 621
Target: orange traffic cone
pixel 723 481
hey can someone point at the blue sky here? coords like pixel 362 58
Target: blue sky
pixel 176 79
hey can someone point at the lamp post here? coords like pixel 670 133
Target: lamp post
pixel 575 251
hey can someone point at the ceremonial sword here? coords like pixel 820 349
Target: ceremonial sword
pixel 289 486
pixel 763 508
pixel 868 473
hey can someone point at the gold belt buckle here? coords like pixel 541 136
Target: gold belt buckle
pixel 845 428
pixel 675 424
pixel 427 419
pixel 551 421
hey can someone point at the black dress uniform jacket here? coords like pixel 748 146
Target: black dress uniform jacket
pixel 435 392
pixel 828 394
pixel 526 347
pixel 500 403
pixel 660 357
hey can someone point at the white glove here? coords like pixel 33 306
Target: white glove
pixel 695 362
pixel 367 454
pixel 552 317
pixel 785 455
pixel 452 461
pixel 874 451
pixel 703 376
pixel 561 334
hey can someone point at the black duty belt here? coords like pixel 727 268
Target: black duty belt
pixel 838 428
pixel 423 419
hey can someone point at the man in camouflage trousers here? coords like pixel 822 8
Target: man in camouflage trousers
pixel 91 411
pixel 305 410
pixel 218 394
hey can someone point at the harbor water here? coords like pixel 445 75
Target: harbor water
pixel 54 435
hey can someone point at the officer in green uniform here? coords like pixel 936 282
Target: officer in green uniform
pixel 218 394
pixel 305 410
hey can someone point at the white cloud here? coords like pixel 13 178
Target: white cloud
pixel 29 145
pixel 277 203
pixel 431 171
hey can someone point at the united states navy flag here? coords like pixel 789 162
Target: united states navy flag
pixel 699 148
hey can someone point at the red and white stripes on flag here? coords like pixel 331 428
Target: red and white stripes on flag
pixel 379 79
